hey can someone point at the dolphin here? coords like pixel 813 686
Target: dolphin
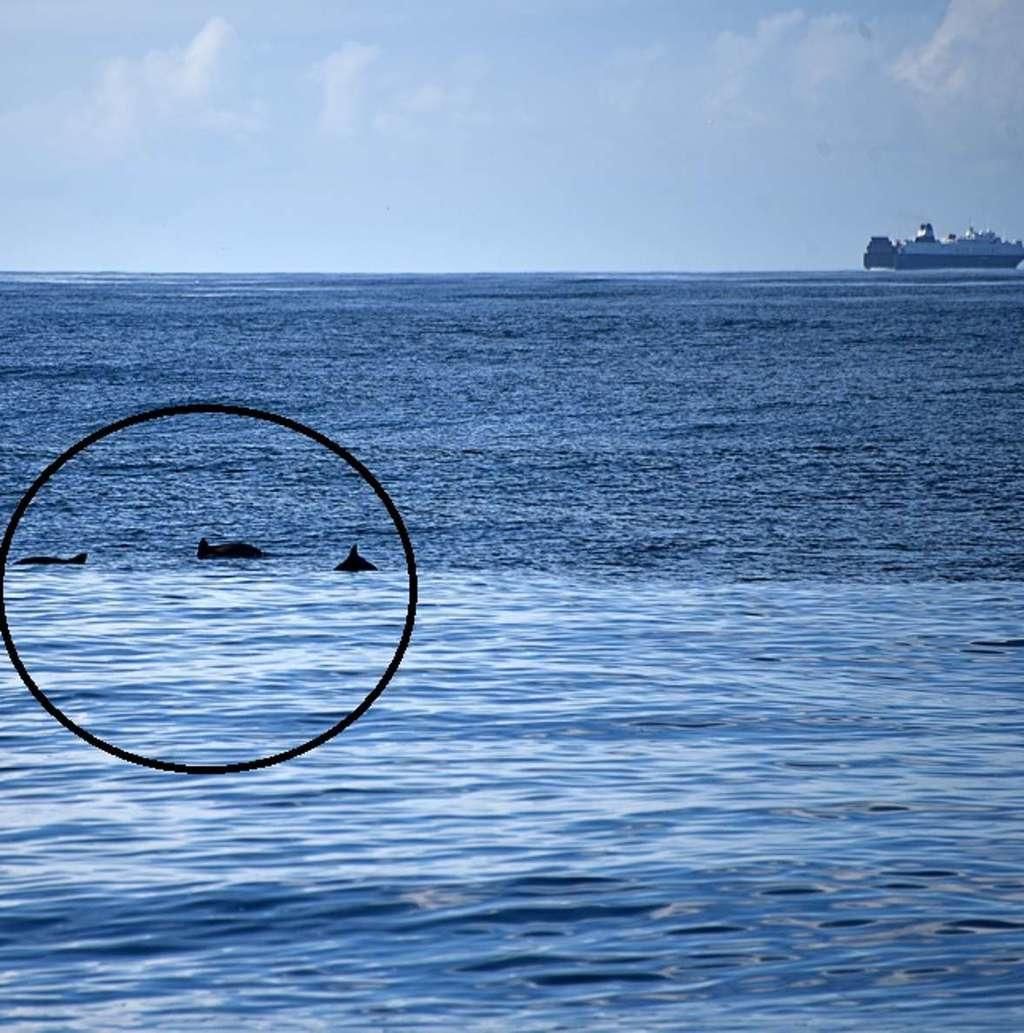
pixel 77 559
pixel 353 561
pixel 227 551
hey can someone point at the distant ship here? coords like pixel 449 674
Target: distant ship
pixel 974 250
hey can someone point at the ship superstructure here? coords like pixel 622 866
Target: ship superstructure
pixel 973 250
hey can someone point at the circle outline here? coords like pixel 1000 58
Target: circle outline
pixel 230 410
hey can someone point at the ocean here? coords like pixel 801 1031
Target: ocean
pixel 711 713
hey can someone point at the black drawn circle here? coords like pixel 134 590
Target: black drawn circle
pixel 228 410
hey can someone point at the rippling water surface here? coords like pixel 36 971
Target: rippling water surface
pixel 711 717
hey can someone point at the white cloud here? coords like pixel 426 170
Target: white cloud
pixel 947 63
pixel 791 67
pixel 737 63
pixel 343 75
pixel 450 99
pixel 973 58
pixel 835 49
pixel 819 82
pixel 112 111
pixel 164 86
pixel 191 73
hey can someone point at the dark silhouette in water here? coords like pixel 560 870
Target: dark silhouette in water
pixel 227 551
pixel 353 561
pixel 79 559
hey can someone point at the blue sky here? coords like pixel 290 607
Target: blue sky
pixel 515 134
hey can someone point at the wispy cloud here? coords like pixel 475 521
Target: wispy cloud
pixel 134 94
pixel 948 63
pixel 343 76
pixel 450 98
pixel 968 77
pixel 834 50
pixel 790 65
pixel 975 50
pixel 820 81
pixel 738 62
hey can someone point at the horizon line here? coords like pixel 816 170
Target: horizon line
pixel 420 272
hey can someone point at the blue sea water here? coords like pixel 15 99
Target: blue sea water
pixel 711 717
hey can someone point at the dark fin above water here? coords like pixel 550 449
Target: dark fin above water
pixel 77 559
pixel 227 551
pixel 353 561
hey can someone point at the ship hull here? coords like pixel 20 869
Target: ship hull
pixel 879 262
pixel 904 261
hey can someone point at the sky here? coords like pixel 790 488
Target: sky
pixel 501 135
